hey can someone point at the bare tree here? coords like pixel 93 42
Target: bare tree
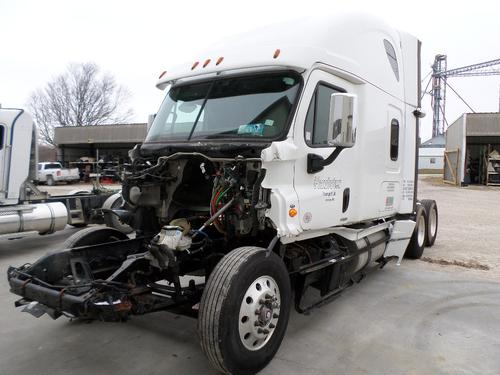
pixel 81 96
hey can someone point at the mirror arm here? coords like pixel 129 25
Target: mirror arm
pixel 316 163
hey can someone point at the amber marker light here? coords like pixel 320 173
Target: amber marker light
pixel 292 212
pixel 219 60
pixel 162 74
pixel 207 61
pixel 195 65
pixel 276 53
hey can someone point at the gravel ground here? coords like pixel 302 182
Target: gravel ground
pixel 63 188
pixel 422 317
pixel 469 227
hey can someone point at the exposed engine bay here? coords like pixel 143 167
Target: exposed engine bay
pixel 188 211
pixel 188 191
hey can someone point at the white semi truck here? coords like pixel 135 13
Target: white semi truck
pixel 24 208
pixel 279 169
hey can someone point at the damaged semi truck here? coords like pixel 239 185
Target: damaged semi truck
pixel 279 169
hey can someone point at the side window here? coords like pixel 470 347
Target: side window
pixel 2 133
pixel 394 139
pixel 316 125
pixel 391 55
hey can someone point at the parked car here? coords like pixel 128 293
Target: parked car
pixel 50 173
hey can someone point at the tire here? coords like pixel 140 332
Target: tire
pixel 93 236
pixel 418 239
pixel 431 220
pixel 50 181
pixel 111 220
pixel 230 296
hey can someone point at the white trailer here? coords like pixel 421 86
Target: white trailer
pixel 281 160
pixel 23 208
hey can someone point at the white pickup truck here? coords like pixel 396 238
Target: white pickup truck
pixel 50 173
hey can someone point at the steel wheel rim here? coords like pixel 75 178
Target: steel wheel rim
pixel 433 222
pixel 421 230
pixel 259 313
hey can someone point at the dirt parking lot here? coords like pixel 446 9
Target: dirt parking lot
pixel 419 318
pixel 469 226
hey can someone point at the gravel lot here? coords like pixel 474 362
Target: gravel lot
pixel 418 318
pixel 469 226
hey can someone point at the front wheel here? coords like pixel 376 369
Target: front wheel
pixel 244 310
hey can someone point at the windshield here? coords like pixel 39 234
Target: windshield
pixel 242 107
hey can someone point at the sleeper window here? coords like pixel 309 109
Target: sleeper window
pixel 391 55
pixel 2 131
pixel 394 139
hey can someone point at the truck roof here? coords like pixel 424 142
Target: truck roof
pixel 353 43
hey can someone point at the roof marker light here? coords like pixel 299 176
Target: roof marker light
pixel 207 61
pixel 162 74
pixel 219 60
pixel 195 65
pixel 276 53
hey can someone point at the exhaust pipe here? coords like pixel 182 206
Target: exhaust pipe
pixel 44 218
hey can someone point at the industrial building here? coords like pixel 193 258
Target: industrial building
pixel 431 155
pixel 99 150
pixel 472 154
pixel 98 142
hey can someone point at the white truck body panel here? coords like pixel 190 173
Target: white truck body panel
pixel 355 54
pixel 15 165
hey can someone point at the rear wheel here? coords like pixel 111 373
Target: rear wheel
pixel 93 236
pixel 50 180
pixel 417 242
pixel 431 220
pixel 244 311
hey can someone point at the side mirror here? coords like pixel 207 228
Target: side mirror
pixel 151 118
pixel 341 124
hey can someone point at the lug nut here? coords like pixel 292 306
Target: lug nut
pixel 275 316
pixel 272 326
pixel 264 331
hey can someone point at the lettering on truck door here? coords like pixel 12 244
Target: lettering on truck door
pixel 325 197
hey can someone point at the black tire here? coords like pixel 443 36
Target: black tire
pixel 222 300
pixel 431 220
pixel 416 246
pixel 93 236
pixel 50 181
pixel 111 220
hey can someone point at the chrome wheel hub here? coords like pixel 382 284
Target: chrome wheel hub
pixel 259 312
pixel 421 230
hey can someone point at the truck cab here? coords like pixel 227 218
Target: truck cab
pixel 279 170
